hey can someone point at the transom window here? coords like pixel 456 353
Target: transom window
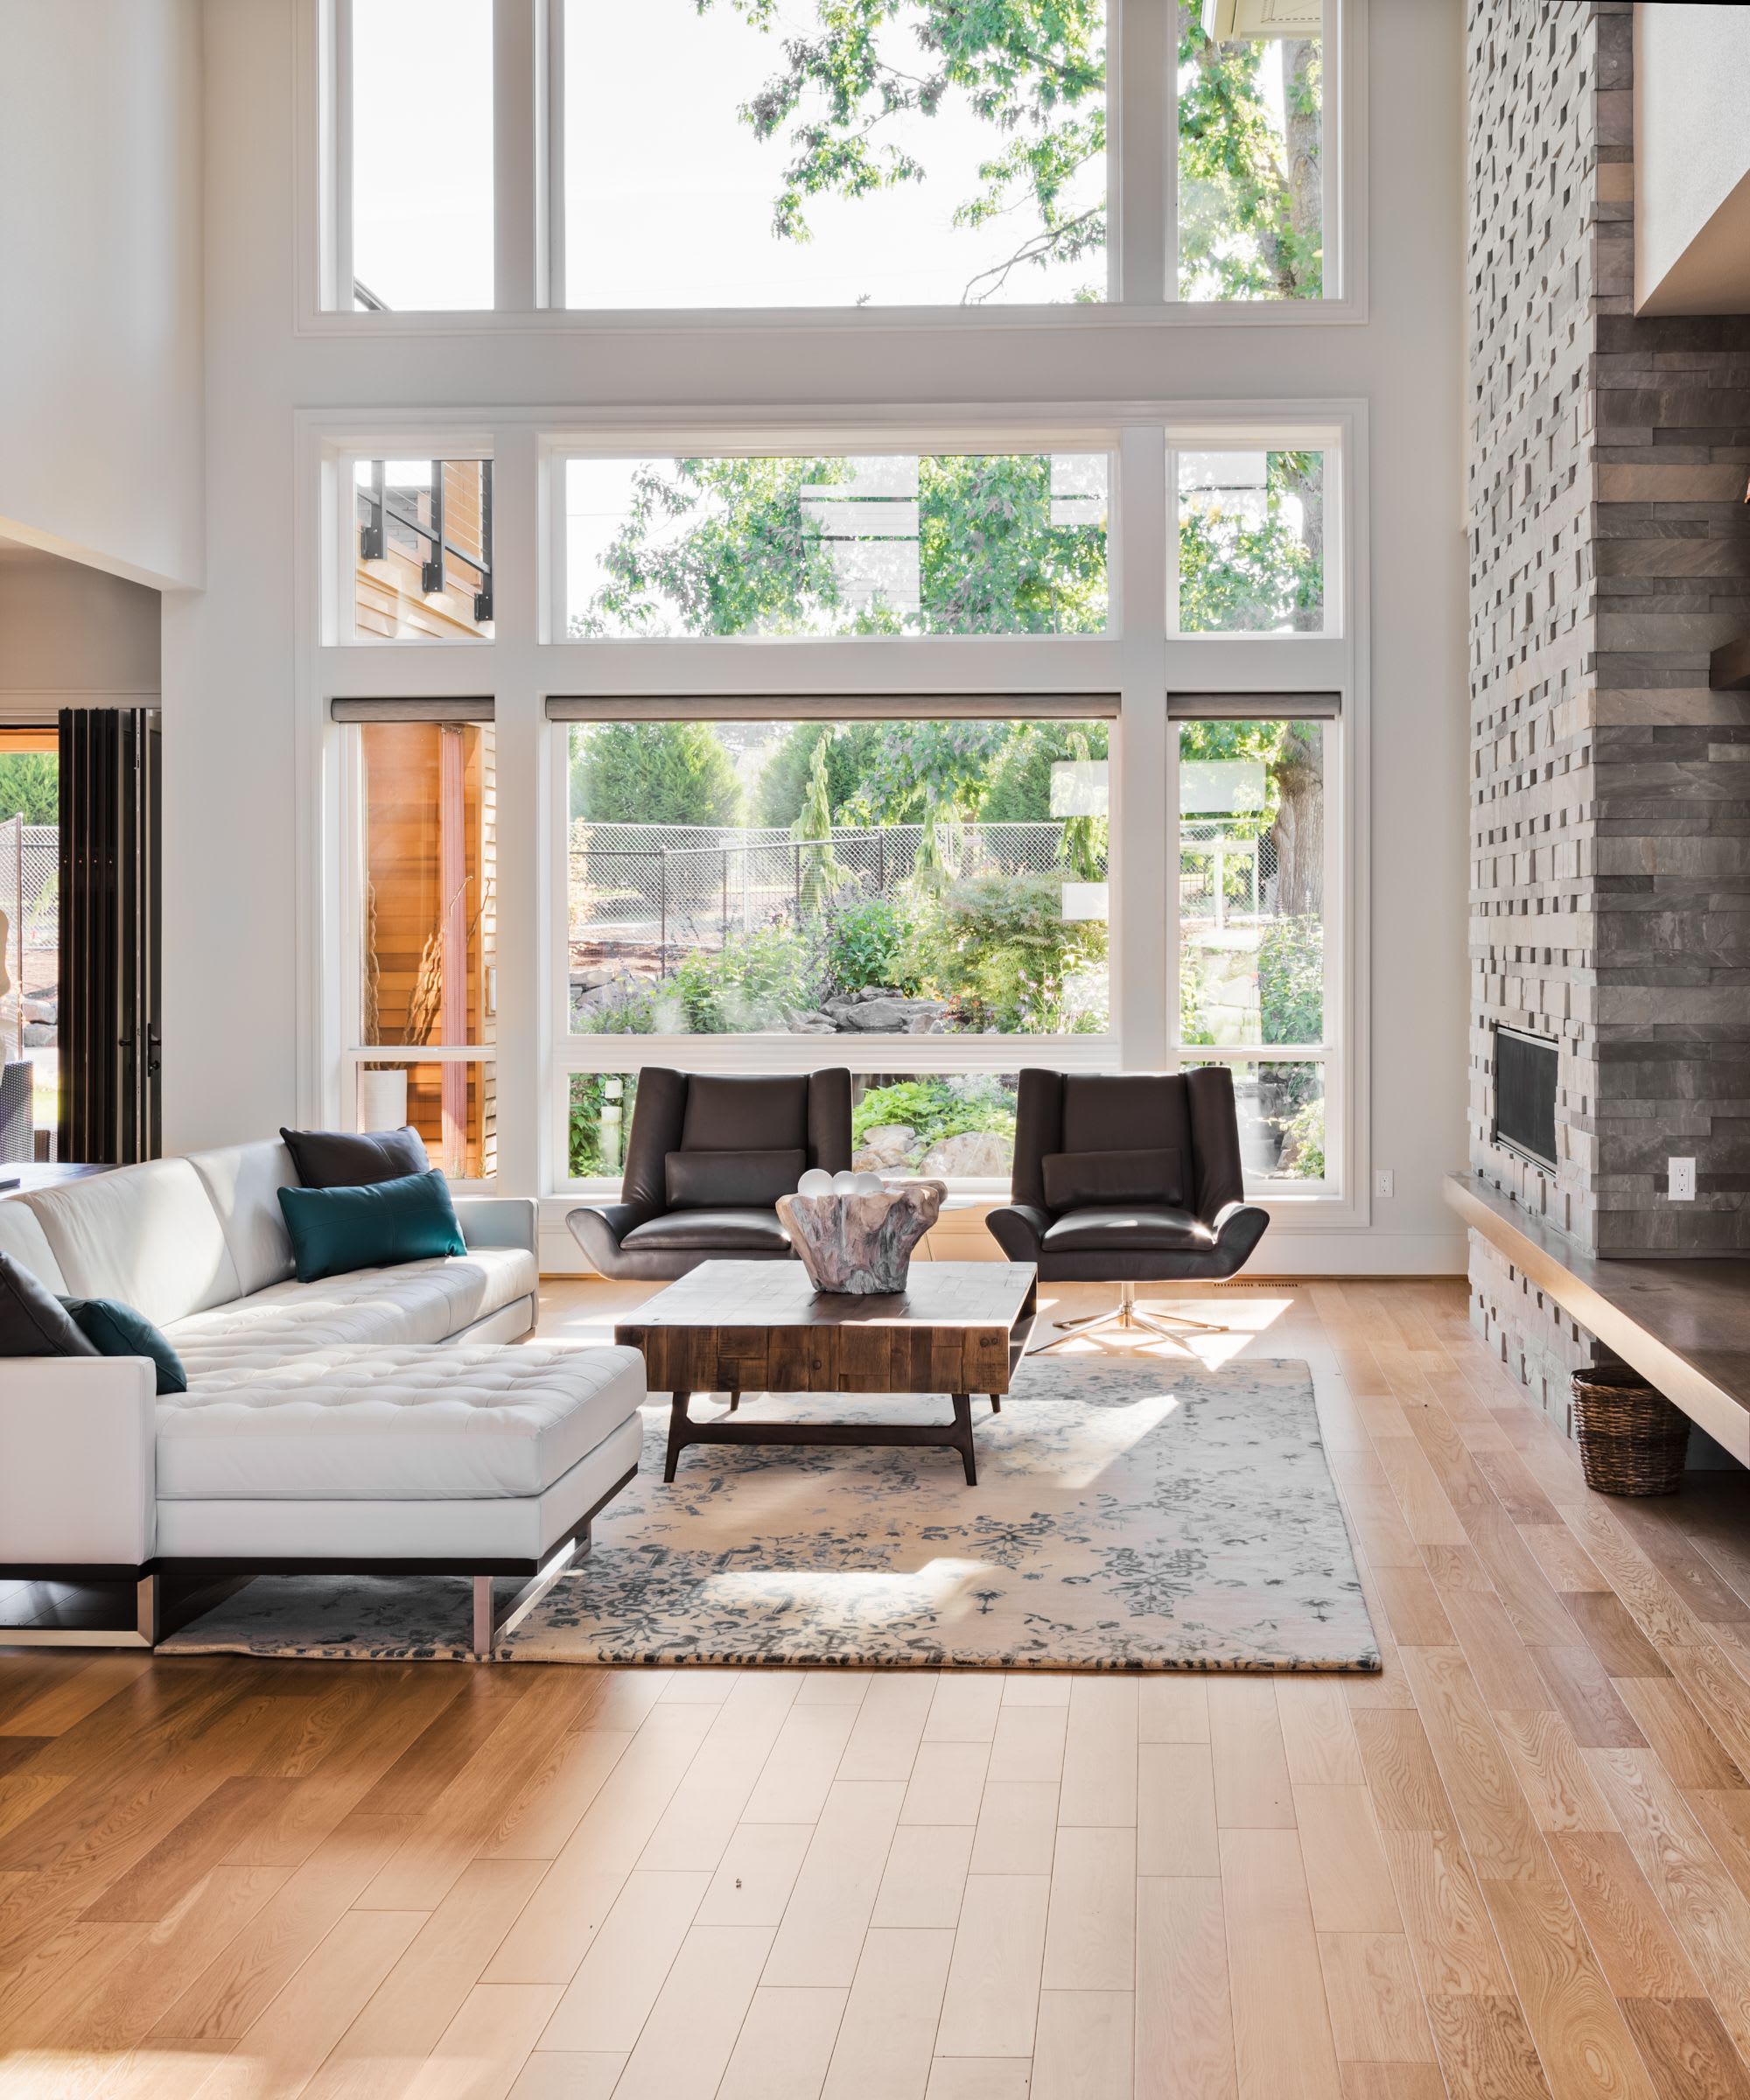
pixel 713 155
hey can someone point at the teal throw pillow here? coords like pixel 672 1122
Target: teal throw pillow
pixel 114 1329
pixel 375 1226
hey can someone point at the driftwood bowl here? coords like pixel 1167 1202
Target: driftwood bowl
pixel 861 1245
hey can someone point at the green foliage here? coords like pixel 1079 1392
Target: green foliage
pixel 1019 785
pixel 654 773
pixel 1290 965
pixel 1303 1143
pixel 1085 847
pixel 1236 576
pixel 1035 69
pixel 589 1097
pixel 869 942
pixel 935 1108
pixel 731 547
pixel 30 785
pixel 1250 220
pixel 819 872
pixel 999 946
pixel 784 776
pixel 750 983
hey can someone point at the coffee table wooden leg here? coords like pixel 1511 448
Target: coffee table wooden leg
pixel 679 1423
pixel 996 1404
pixel 963 1422
pixel 734 1402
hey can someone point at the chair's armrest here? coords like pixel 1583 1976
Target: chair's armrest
pixel 78 1468
pixel 599 1228
pixel 498 1221
pixel 1238 1226
pixel 1017 1228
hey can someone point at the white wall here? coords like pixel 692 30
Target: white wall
pixel 101 423
pixel 71 636
pixel 241 875
pixel 1692 159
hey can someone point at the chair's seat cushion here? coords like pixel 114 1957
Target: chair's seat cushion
pixel 1127 1228
pixel 425 1423
pixel 417 1302
pixel 733 1231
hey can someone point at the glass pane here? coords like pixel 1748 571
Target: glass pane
pixel 952 1126
pixel 422 154
pixel 1251 882
pixel 454 1108
pixel 1251 151
pixel 887 543
pixel 429 935
pixel 599 1120
pixel 820 155
pixel 1251 543
pixel 839 878
pixel 1282 1120
pixel 29 938
pixel 423 552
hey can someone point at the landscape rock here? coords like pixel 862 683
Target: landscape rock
pixel 888 1145
pixel 981 1153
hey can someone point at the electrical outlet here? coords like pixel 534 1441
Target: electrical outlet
pixel 1681 1173
pixel 1381 1181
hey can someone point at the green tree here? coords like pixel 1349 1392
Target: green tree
pixel 1034 70
pixel 784 777
pixel 1019 786
pixel 654 773
pixel 1251 210
pixel 30 785
pixel 738 547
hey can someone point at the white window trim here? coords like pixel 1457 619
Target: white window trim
pixel 1137 658
pixel 528 170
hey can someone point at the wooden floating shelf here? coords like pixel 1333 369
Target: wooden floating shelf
pixel 1684 1325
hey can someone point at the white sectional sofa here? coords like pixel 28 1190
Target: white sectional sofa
pixel 373 1421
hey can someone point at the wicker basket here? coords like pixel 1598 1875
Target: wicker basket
pixel 1631 1440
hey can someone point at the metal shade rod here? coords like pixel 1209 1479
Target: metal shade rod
pixel 1129 1317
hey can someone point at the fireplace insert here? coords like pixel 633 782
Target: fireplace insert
pixel 1525 1095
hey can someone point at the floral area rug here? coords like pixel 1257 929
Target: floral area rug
pixel 1131 1513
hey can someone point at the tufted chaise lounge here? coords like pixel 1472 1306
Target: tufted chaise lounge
pixel 371 1422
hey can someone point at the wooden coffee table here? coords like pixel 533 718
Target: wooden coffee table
pixel 958 1328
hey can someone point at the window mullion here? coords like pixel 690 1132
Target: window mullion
pixel 517 129
pixel 1141 960
pixel 1139 164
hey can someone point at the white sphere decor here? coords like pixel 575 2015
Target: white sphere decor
pixel 816 1182
pixel 859 1243
pixel 844 1182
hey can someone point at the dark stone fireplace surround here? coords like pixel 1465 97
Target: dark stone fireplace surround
pixel 1610 787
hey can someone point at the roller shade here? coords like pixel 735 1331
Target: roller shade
pixel 833 707
pixel 1252 707
pixel 411 710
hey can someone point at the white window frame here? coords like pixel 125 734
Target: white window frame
pixel 1137 658
pixel 528 197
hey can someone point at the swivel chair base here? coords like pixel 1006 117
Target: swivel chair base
pixel 1148 1322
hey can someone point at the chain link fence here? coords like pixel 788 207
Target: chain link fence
pixel 1223 874
pixel 677 887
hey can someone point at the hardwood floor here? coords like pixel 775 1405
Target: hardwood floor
pixel 1516 1863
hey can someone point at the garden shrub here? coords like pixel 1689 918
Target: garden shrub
pixel 868 941
pixel 1000 945
pixel 589 1096
pixel 1303 1143
pixel 935 1108
pixel 750 982
pixel 1292 981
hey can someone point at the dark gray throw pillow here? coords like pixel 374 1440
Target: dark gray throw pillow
pixel 751 1180
pixel 34 1322
pixel 1074 1181
pixel 356 1158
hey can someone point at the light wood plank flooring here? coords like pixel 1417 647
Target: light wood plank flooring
pixel 1516 1863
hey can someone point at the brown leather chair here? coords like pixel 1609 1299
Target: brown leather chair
pixel 1128 1179
pixel 708 1157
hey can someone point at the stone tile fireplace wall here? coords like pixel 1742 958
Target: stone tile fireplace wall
pixel 1610 789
